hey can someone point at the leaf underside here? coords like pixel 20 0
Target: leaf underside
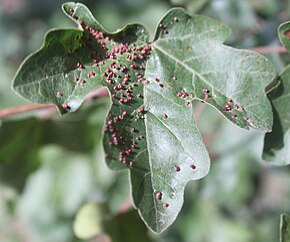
pixel 277 143
pixel 150 127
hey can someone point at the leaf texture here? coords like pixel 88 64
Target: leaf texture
pixel 150 127
pixel 277 143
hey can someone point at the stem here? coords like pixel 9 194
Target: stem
pixel 23 109
pixel 269 49
pixel 100 92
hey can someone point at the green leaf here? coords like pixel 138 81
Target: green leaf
pixel 277 143
pixel 191 6
pixel 80 132
pixel 150 127
pixel 127 227
pixel 57 189
pixel 285 228
pixel 88 221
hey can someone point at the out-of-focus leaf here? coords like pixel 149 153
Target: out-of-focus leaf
pixel 210 224
pixel 277 143
pixel 119 193
pixel 7 97
pixel 56 191
pixel 285 228
pixel 268 7
pixel 126 227
pixel 192 6
pixel 88 221
pixel 239 15
pixel 20 140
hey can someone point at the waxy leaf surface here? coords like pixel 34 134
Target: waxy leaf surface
pixel 277 143
pixel 150 127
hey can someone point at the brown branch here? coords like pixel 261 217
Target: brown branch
pixel 100 92
pixel 23 109
pixel 269 49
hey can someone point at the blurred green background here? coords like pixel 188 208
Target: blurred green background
pixel 54 184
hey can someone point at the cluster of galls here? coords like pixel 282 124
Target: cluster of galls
pixel 122 66
pixel 230 106
pixel 125 82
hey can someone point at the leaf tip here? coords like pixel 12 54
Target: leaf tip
pixel 67 7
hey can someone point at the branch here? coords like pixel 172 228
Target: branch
pixel 100 92
pixel 23 109
pixel 269 49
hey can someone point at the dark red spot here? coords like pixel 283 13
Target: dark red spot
pixel 79 65
pixel 116 119
pixel 227 108
pixel 206 96
pixel 177 168
pixel 65 106
pixel 182 94
pixel 236 106
pixel 287 33
pixel 230 100
pixel 192 166
pixel 166 205
pixel 91 74
pixel 58 94
pixel 161 85
pixel 164 116
pixel 246 118
pixel 156 79
pixel 158 195
pixel 187 104
pixel 165 31
pixel 76 79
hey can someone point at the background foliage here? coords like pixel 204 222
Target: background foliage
pixel 52 179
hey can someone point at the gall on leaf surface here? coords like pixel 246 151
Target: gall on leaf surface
pixel 277 143
pixel 150 128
